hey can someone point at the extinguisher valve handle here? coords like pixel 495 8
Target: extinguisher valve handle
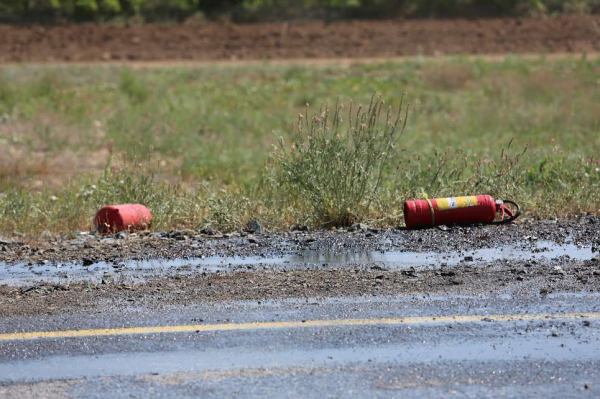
pixel 506 211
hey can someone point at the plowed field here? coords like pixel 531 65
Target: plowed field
pixel 350 39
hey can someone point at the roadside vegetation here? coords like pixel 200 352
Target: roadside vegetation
pixel 218 147
pixel 261 10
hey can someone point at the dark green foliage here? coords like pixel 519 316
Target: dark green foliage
pixel 78 10
pixel 82 10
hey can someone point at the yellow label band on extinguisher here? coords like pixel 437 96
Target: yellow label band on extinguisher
pixel 445 204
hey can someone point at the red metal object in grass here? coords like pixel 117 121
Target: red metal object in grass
pixel 115 218
pixel 458 211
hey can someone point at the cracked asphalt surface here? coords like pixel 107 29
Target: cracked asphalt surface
pixel 511 311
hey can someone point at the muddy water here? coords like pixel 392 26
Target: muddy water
pixel 24 273
pixel 543 250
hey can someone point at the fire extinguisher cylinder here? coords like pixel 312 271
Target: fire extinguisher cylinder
pixel 455 211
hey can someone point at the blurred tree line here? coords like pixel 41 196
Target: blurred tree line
pixel 86 10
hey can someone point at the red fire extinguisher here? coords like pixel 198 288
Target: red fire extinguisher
pixel 115 218
pixel 458 211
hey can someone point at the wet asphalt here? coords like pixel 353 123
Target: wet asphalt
pixel 475 358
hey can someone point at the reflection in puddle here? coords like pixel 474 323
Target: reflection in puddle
pixel 22 273
pixel 544 250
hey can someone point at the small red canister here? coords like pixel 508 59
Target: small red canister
pixel 115 218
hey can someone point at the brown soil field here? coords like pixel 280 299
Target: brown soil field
pixel 349 39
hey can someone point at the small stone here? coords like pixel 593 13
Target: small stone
pixel 358 227
pixel 254 226
pixel 208 231
pixel 121 235
pixel 377 267
pixel 87 261
pixel 468 259
pixel 176 235
pixel 559 270
pixel 296 228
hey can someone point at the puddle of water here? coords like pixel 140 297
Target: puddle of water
pixel 544 250
pixel 22 273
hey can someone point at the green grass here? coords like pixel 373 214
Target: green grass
pixel 196 143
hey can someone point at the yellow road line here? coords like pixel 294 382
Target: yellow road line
pixel 20 336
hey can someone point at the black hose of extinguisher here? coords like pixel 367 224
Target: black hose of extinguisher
pixel 516 214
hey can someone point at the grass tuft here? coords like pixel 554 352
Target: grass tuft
pixel 336 165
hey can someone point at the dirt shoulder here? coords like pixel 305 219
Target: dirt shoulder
pixel 349 39
pixel 516 279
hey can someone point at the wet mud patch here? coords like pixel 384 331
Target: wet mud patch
pixel 581 231
pixel 158 270
pixel 501 278
pixel 136 257
pixel 135 271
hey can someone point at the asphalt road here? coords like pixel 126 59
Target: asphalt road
pixel 403 346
